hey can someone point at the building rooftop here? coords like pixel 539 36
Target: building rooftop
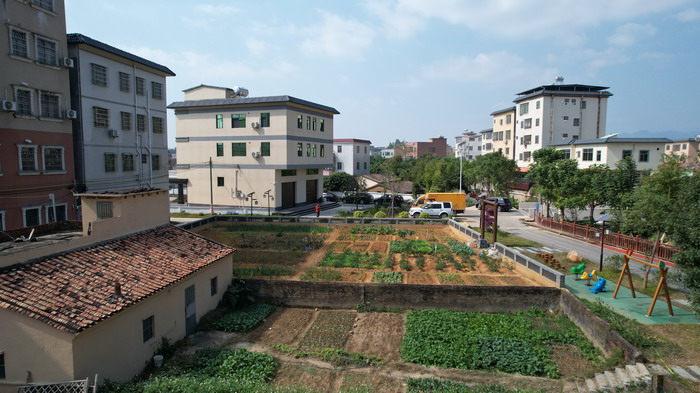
pixel 242 101
pixel 75 38
pixel 505 110
pixel 598 141
pixel 77 289
pixel 564 90
pixel 351 141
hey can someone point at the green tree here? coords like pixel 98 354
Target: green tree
pixel 623 180
pixel 495 172
pixel 377 164
pixel 593 188
pixel 542 171
pixel 340 181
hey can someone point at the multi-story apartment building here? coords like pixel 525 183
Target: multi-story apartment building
pixel 436 146
pixel 647 152
pixel 486 141
pixel 231 148
pixel 558 113
pixel 352 156
pixel 504 131
pixel 685 147
pixel 468 145
pixel 36 148
pixel 120 135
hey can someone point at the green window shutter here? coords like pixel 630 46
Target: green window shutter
pixel 238 149
pixel 219 149
pixel 265 149
pixel 238 121
pixel 219 121
pixel 264 119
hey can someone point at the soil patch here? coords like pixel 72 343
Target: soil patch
pixel 370 382
pixel 378 334
pixel 354 276
pixel 307 378
pixel 571 361
pixel 330 330
pixel 285 326
pixel 420 278
pixel 680 343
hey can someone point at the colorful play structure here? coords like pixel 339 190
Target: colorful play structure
pixel 661 267
pixel 599 285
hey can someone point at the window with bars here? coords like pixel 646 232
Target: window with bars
pixel 45 4
pixel 148 328
pixel 100 117
pixel 156 91
pixel 576 122
pixel 110 162
pixel 157 125
pixel 50 105
pixel 46 51
pixel 126 121
pixel 140 86
pixel 265 149
pixel 104 209
pixel 18 43
pixel 238 149
pixel 141 123
pixel 24 102
pixel 238 120
pixel 27 159
pixel 264 120
pixel 127 162
pixel 53 159
pixel 124 81
pixel 155 162
pixel 99 74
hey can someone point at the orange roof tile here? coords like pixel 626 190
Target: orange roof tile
pixel 74 290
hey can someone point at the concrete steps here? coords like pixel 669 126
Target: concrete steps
pixel 632 374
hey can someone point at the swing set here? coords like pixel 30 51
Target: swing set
pixel 661 267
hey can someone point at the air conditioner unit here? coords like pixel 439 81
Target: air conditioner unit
pixel 255 124
pixel 255 154
pixel 9 106
pixel 68 62
pixel 113 133
pixel 238 193
pixel 71 114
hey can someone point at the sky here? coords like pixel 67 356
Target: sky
pixel 417 69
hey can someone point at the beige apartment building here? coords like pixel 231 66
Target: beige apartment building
pixel 646 152
pixel 231 148
pixel 687 148
pixel 503 136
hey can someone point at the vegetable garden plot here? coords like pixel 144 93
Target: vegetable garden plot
pixel 329 330
pixel 420 278
pixel 284 326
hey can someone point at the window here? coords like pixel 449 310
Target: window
pixel 300 121
pixel 537 104
pixel 219 121
pixel 537 139
pixel 576 122
pixel 110 162
pixel 300 149
pixel 567 153
pixel 565 135
pixel 265 149
pixel 56 213
pixel 100 117
pixel 53 159
pixel 573 101
pixel 598 155
pixel 583 104
pixel 524 108
pixel 127 162
pixel 501 121
pixel 31 216
pixel 508 119
pixel 144 159
pixel 238 149
pixel 365 149
pixel 365 165
pixel 45 4
pixel 644 156
pixel 527 155
pixel 46 51
pixel 526 140
pixel 288 172
pixel 104 209
pixel 99 74
pixel 238 121
pixel 264 120
pixel 312 171
pixel 27 158
pixel 124 81
pixel 323 125
pixel 507 134
pixel 308 150
pixel 575 137
pixel 668 147
pixel 313 124
pixel 527 123
pixel 507 150
pixel 148 328
pixel 537 122
pixel 2 228
pixel 566 118
pixel 157 125
pixel 220 181
pixel 685 146
pixel 626 153
pixel 313 150
pixel 126 121
pixel 308 122
pixel 566 101
pixel 18 43
pixel 340 149
pixel 50 105
pixel 219 149
pixel 357 149
pixel 587 154
pixel 322 153
pixel 214 286
pixel 24 102
pixel 140 86
pixel 357 165
pixel 155 162
pixel 156 91
pixel 340 165
pixel 141 123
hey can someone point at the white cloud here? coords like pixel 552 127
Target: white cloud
pixel 257 47
pixel 216 10
pixel 337 37
pixel 402 23
pixel 628 34
pixel 689 15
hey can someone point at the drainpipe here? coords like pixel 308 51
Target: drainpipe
pixel 148 139
pixel 136 131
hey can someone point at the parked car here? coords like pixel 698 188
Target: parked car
pixel 328 197
pixel 504 204
pixel 358 197
pixel 387 198
pixel 434 209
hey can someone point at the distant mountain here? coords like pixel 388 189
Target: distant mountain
pixel 673 135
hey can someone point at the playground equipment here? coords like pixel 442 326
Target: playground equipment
pixel 599 286
pixel 661 267
pixel 578 270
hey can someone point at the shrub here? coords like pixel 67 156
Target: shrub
pixel 358 214
pixel 403 215
pixel 379 214
pixel 387 277
pixel 424 215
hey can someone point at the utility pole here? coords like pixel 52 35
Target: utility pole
pixel 211 188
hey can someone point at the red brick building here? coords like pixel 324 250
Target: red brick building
pixel 437 146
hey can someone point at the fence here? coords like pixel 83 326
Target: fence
pixel 79 386
pixel 311 220
pixel 617 240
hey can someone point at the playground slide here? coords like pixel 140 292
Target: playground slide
pixel 599 286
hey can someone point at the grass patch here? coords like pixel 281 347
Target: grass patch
pixel 262 271
pixel 434 385
pixel 631 330
pixel 319 274
pixel 510 240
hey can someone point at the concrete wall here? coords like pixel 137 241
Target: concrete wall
pixel 131 213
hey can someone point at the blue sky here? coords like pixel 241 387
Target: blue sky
pixel 415 69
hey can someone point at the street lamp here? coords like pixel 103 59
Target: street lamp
pixel 356 206
pixel 461 156
pixel 601 220
pixel 269 196
pixel 250 196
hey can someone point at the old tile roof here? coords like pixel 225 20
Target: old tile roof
pixel 74 290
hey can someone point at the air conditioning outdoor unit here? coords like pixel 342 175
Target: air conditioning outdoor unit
pixel 71 114
pixel 255 154
pixel 113 133
pixel 9 106
pixel 68 62
pixel 255 124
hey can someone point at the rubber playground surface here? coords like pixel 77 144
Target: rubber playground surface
pixel 633 308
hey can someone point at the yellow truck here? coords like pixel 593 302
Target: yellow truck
pixel 458 199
